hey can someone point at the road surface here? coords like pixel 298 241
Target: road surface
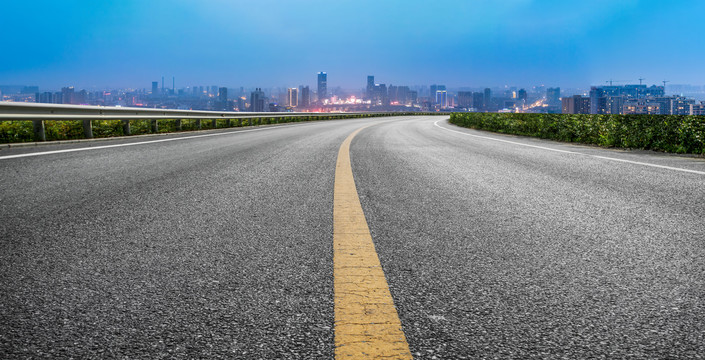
pixel 221 245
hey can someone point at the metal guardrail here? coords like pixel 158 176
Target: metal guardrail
pixel 38 113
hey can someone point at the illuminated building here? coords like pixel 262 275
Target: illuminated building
pixel 575 104
pixel 442 98
pixel 292 97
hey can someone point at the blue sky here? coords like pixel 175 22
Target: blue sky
pixel 129 43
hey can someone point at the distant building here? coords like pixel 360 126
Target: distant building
pixel 434 89
pixel 553 96
pixel 697 109
pixel 522 95
pixel 322 86
pixel 370 87
pixel 67 95
pixel 442 98
pixel 292 97
pixel 257 100
pixel 465 99
pixel 304 96
pixel 155 87
pixel 613 104
pixel 487 100
pixel 45 97
pixel 575 104
pixel 641 106
pixel 223 103
pixel 478 101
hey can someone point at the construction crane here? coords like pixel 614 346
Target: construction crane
pixel 664 83
pixel 640 80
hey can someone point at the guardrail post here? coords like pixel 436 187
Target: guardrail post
pixel 198 124
pixel 155 126
pixel 178 124
pixel 215 123
pixel 227 123
pixel 88 129
pixel 39 133
pixel 126 127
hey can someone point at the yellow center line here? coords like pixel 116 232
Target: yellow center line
pixel 367 325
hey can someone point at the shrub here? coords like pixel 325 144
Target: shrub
pixel 669 133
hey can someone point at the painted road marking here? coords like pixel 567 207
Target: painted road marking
pixel 142 142
pixel 574 152
pixel 367 325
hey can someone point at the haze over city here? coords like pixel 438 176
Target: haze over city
pixel 94 45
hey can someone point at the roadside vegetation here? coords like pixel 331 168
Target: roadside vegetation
pixel 22 131
pixel 682 134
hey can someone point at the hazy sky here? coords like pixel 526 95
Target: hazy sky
pixel 129 43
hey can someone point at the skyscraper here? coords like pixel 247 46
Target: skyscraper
pixel 322 86
pixel 67 95
pixel 257 100
pixel 465 99
pixel 223 99
pixel 553 96
pixel 292 97
pixel 370 86
pixel 155 87
pixel 442 98
pixel 434 90
pixel 487 99
pixel 304 96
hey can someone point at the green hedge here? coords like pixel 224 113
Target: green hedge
pixel 669 133
pixel 22 131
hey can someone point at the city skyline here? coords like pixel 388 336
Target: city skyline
pixel 458 43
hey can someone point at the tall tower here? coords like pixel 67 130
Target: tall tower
pixel 322 86
pixel 370 86
pixel 292 98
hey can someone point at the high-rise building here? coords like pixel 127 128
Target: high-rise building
pixel 478 101
pixel 442 98
pixel 322 86
pixel 304 96
pixel 465 99
pixel 257 100
pixel 223 103
pixel 575 104
pixel 67 95
pixel 292 97
pixel 487 99
pixel 45 98
pixel 597 105
pixel 522 95
pixel 553 96
pixel 434 89
pixel 155 87
pixel 370 86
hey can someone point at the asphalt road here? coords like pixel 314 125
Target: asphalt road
pixel 221 246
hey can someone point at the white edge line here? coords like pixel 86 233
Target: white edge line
pixel 573 152
pixel 140 143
